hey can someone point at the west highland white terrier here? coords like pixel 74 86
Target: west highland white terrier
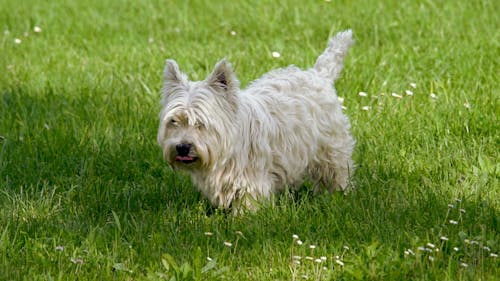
pixel 240 146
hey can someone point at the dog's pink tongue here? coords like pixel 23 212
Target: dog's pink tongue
pixel 183 158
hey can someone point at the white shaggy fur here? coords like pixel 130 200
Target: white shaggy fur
pixel 243 145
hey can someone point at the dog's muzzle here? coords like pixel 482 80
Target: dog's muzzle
pixel 185 153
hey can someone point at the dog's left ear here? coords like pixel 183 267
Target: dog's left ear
pixel 172 74
pixel 223 77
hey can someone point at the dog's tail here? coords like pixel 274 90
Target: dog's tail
pixel 330 63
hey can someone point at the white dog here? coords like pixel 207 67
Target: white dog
pixel 243 145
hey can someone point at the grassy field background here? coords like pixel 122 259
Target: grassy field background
pixel 86 195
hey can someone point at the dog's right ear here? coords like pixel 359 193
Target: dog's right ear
pixel 172 75
pixel 223 77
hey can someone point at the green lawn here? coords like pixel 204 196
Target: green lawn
pixel 86 195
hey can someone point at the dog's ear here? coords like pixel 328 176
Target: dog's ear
pixel 223 77
pixel 172 75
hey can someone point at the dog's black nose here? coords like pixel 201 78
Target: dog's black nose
pixel 183 149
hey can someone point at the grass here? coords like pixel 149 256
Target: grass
pixel 85 194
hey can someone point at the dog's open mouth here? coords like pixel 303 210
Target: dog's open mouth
pixel 185 159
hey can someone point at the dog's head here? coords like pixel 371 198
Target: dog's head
pixel 197 117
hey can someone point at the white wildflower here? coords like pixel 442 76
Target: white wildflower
pixel 451 206
pixel 453 222
pixel 346 247
pixel 494 255
pixel 444 238
pixel 467 105
pixel 424 249
pixel 413 85
pixel 60 248
pixel 318 260
pixel 455 249
pixel 37 29
pixel 365 108
pixel 17 41
pixel 431 245
pixel 276 54
pixel 431 258
pixel 433 96
pixel 362 94
pixel 486 248
pixel 323 258
pixel 209 259
pixel 339 262
pixel 462 211
pixel 341 99
pixel 309 258
pixel 463 264
pixel 312 247
pixel 296 257
pixel 208 233
pixel 396 95
pixel 299 242
pixel 76 261
pixel 409 93
pixel 228 244
pixel 295 236
pixel 233 33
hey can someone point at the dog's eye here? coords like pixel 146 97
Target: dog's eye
pixel 199 125
pixel 173 122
